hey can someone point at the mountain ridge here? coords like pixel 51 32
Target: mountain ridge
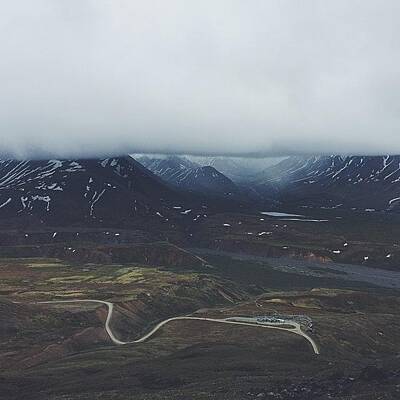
pixel 188 175
pixel 68 191
pixel 356 181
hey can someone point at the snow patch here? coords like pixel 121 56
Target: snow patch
pixel 46 199
pixel 5 203
pixel 96 197
pixel 280 214
pixel 393 200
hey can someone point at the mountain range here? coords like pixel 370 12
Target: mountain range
pixel 126 192
pixel 117 190
pixel 333 181
pixel 362 182
pixel 238 169
pixel 187 175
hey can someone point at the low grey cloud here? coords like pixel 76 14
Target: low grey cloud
pixel 96 77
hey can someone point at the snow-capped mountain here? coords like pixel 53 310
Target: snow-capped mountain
pixel 365 182
pixel 188 175
pixel 66 191
pixel 239 169
pixel 172 169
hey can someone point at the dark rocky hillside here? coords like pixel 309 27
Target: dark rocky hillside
pixel 117 190
pixel 362 182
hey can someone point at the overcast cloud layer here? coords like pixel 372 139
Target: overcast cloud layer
pixel 88 77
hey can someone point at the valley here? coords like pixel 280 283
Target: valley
pixel 51 326
pixel 193 296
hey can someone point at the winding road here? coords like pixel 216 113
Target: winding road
pixel 109 315
pixel 295 326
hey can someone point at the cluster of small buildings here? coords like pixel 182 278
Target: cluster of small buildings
pixel 303 320
pixel 271 320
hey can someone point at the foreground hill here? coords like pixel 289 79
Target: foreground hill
pixel 362 182
pixel 119 190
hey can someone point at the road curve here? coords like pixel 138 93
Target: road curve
pixel 109 305
pixel 296 326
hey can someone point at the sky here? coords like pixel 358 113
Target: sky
pixel 212 77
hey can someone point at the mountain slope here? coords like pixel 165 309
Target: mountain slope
pixel 239 169
pixel 66 191
pixel 356 181
pixel 187 175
